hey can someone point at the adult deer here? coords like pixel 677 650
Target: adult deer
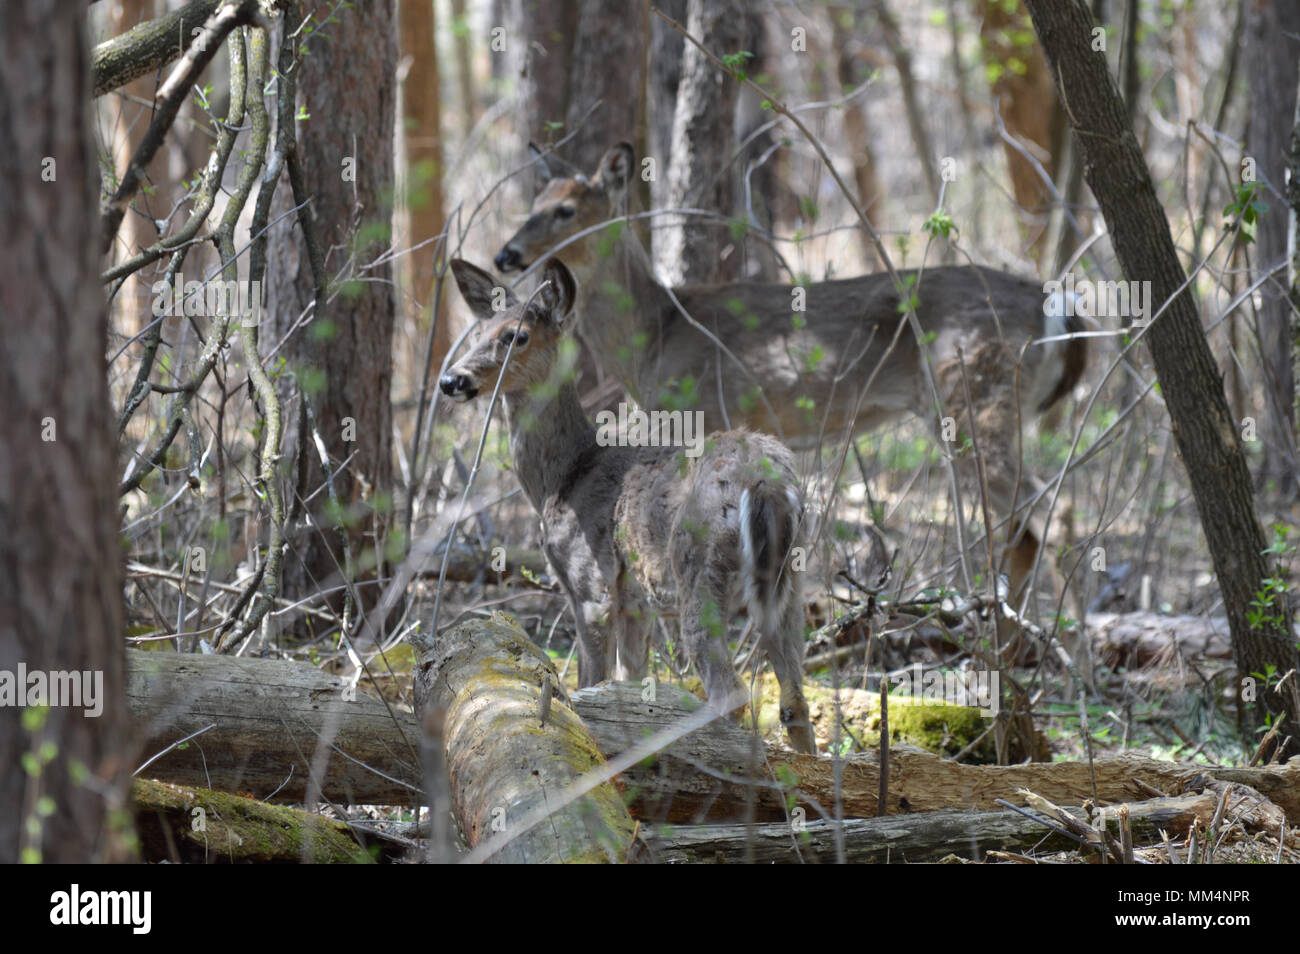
pixel 839 365
pixel 635 531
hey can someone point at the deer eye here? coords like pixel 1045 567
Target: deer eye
pixel 564 212
pixel 520 339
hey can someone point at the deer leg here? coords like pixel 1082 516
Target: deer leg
pixel 704 634
pixel 785 650
pixel 631 630
pixel 593 663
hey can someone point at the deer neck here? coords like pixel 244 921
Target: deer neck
pixel 548 436
pixel 620 306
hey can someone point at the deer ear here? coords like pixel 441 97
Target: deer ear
pixel 484 295
pixel 615 169
pixel 548 165
pixel 557 297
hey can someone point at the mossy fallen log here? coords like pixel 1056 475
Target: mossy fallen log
pixel 721 772
pixel 516 754
pixel 197 826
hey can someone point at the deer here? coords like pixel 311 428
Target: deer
pixel 630 531
pixel 843 365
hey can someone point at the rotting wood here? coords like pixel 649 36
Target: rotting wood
pixel 704 776
pixel 196 826
pixel 269 719
pixel 507 767
pixel 914 837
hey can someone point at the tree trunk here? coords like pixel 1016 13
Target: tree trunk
pixel 1273 49
pixel 421 134
pixel 912 108
pixel 342 358
pixel 1205 432
pixel 541 62
pixel 465 91
pixel 667 47
pixel 1027 103
pixel 513 746
pixel 703 139
pixel 607 64
pixel 60 554
pixel 1293 269
pixel 850 71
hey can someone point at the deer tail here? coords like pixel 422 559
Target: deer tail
pixel 769 522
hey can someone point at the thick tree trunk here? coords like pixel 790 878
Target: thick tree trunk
pixel 607 64
pixel 540 61
pixel 1273 49
pixel 60 555
pixel 1205 432
pixel 703 138
pixel 513 746
pixel 342 358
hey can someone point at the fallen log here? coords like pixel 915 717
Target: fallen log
pixel 515 751
pixel 918 837
pixel 1136 640
pixel 271 727
pixel 196 826
pixel 468 564
pixel 719 772
pixel 270 716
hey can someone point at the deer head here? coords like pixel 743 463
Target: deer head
pixel 522 337
pixel 568 203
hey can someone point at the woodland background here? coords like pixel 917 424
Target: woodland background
pixel 407 129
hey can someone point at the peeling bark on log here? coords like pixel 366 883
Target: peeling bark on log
pixel 674 789
pixel 236 830
pixel 271 719
pixel 926 836
pixel 513 747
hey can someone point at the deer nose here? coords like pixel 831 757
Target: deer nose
pixel 457 385
pixel 507 259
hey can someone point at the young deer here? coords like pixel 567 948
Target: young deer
pixel 641 529
pixel 813 366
